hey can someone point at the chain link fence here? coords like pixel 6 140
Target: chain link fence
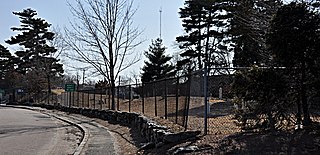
pixel 211 109
pixel 166 98
pixel 181 100
pixel 202 100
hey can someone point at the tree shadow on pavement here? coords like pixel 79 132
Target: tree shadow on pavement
pixel 15 130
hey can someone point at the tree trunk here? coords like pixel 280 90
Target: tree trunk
pixel 298 101
pixel 299 112
pixel 112 78
pixel 49 88
pixel 207 63
pixel 113 103
pixel 199 50
pixel 304 100
pixel 271 122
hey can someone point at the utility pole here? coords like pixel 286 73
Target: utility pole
pixel 83 76
pixel 78 81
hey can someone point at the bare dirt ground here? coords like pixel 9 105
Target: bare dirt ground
pixel 220 124
pixel 224 137
pixel 303 142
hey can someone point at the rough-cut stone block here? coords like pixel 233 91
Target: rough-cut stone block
pixel 146 146
pixel 157 135
pixel 181 136
pixel 181 150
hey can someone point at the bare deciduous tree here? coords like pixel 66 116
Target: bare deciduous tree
pixel 103 36
pixel 58 42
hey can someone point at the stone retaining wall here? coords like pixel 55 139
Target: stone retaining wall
pixel 157 135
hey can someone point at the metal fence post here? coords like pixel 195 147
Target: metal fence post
pixel 57 100
pixel 155 99
pixel 142 97
pixel 101 98
pixel 129 98
pixel 48 98
pixel 118 99
pixel 61 97
pixel 177 99
pixel 88 94
pixel 70 100
pixel 205 91
pixel 82 99
pixel 186 106
pixel 109 98
pixel 165 100
pixel 105 97
pixel 52 98
pixel 118 93
pixel 78 98
pixel 65 99
pixel 94 99
pixel 73 98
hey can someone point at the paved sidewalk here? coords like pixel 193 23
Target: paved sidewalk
pixel 100 141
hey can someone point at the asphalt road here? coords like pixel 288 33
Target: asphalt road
pixel 32 133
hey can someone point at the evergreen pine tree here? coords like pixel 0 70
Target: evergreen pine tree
pixel 5 58
pixel 206 40
pixel 294 40
pixel 249 25
pixel 37 55
pixel 157 66
pixel 8 76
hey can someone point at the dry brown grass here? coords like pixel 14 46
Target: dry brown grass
pixel 220 121
pixel 222 130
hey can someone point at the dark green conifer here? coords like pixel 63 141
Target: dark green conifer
pixel 158 66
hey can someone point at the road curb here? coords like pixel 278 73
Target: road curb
pixel 85 132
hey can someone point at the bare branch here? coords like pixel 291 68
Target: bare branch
pixel 103 36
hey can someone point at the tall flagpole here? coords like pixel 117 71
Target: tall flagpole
pixel 160 11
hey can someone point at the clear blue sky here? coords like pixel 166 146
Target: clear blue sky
pixel 57 13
